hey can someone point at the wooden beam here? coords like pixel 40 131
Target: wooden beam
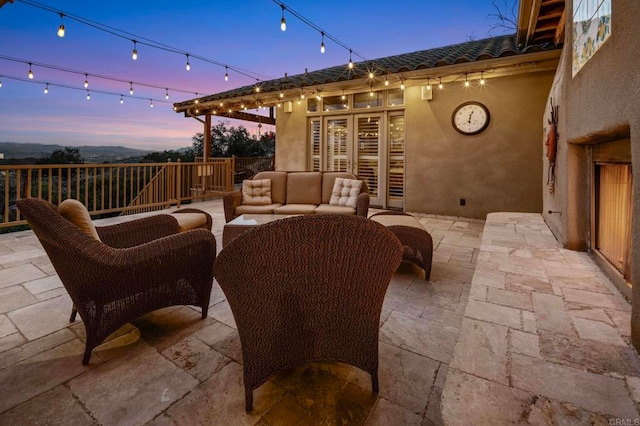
pixel 206 149
pixel 559 38
pixel 238 115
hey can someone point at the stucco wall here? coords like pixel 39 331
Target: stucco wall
pixel 602 102
pixel 497 170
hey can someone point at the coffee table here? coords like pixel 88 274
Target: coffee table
pixel 245 222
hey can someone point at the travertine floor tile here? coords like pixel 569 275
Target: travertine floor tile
pixel 43 318
pixel 387 413
pixel 56 406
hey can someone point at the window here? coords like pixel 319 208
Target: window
pixel 335 103
pixel 312 105
pixel 395 97
pixel 367 100
pixel 314 148
pixel 591 28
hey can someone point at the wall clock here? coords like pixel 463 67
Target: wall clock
pixel 470 118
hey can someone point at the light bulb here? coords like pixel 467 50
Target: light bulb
pixel 134 53
pixel 88 95
pixel 302 96
pixel 86 81
pixel 350 60
pixel 386 82
pixel 322 44
pixel 188 66
pixel 318 97
pixel 61 27
pixel 0 84
pixel 482 81
pixel 343 97
pixel 440 85
pixel 121 99
pixel 166 94
pixel 371 94
pixel 466 83
pixel 429 86
pixel 30 75
pixel 279 105
pixel 402 86
pixel 257 89
pixel 283 22
pixel 221 104
pixel 151 103
pixel 281 95
pixel 226 74
pixel 370 74
pixel 130 88
pixel 46 89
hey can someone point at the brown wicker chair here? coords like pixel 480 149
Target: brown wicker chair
pixel 139 266
pixel 308 288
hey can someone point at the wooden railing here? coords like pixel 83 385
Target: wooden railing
pixel 113 188
pixel 246 167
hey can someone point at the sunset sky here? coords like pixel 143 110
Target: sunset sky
pixel 241 34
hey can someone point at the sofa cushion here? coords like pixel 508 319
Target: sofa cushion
pixel 329 209
pixel 296 209
pixel 256 192
pixel 304 188
pixel 75 212
pixel 278 185
pixel 249 209
pixel 345 192
pixel 328 179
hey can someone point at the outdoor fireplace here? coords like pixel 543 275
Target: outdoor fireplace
pixel 611 210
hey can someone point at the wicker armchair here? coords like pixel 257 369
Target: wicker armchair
pixel 308 288
pixel 137 267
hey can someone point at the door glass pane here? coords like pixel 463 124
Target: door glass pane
pixel 368 152
pixel 337 145
pixel 396 157
pixel 314 148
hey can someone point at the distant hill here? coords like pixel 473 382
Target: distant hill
pixel 90 154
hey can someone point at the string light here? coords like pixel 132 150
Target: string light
pixel 188 66
pixel 0 83
pixel 150 103
pixel 343 97
pixel 196 101
pixel 283 22
pixel 86 81
pixel 46 89
pixel 482 78
pixel 402 85
pixel 281 95
pixel 226 73
pixel 440 86
pixel 130 88
pixel 134 53
pixel 322 44
pixel 121 99
pixel 428 84
pixel 371 75
pixel 88 95
pixel 257 89
pixel 466 81
pixel 30 75
pixel 350 60
pixel 166 93
pixel 61 27
pixel 386 81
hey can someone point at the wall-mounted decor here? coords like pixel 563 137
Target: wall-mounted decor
pixel 551 143
pixel 470 118
pixel 591 28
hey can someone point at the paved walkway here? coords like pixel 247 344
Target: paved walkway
pixel 535 336
pixel 545 336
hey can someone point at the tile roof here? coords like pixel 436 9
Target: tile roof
pixel 471 51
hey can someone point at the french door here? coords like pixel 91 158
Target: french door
pixel 360 144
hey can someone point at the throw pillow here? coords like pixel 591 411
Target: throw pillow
pixel 75 212
pixel 345 192
pixel 256 192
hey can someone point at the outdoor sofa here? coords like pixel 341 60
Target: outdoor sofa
pixel 293 193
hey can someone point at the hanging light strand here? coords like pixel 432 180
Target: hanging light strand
pixel 139 40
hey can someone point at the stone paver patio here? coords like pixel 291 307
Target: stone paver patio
pixel 511 329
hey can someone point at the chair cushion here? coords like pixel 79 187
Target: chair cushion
pixel 188 221
pixel 278 185
pixel 345 192
pixel 75 212
pixel 256 192
pixel 304 188
pixel 329 209
pixel 328 179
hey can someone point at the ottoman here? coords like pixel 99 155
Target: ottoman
pixel 192 219
pixel 416 242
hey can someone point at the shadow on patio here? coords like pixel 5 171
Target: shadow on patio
pixel 511 329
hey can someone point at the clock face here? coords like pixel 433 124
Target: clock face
pixel 470 118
